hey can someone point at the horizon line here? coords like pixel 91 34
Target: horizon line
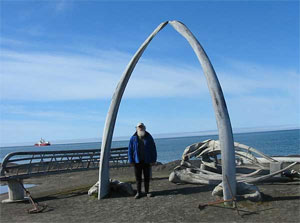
pixel 164 135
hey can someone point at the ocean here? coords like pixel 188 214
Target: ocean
pixel 272 143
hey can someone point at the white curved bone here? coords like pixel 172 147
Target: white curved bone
pixel 218 101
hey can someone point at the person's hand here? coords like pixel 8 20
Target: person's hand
pixel 152 164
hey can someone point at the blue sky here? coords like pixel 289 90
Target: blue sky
pixel 60 62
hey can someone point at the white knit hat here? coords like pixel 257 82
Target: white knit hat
pixel 140 124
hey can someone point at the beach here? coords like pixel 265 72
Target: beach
pixel 67 201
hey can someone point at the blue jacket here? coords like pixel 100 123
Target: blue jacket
pixel 150 149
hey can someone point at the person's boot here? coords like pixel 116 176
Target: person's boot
pixel 147 189
pixel 138 195
pixel 139 189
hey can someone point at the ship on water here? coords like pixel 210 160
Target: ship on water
pixel 42 142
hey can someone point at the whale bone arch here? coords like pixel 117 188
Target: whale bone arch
pixel 218 101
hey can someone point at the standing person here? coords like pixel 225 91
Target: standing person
pixel 142 154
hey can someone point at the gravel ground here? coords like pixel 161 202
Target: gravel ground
pixel 67 201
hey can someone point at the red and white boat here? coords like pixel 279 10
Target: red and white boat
pixel 42 142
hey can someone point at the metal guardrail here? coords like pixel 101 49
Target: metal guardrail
pixel 20 165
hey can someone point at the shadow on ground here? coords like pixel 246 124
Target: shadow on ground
pixel 268 198
pixel 184 191
pixel 60 196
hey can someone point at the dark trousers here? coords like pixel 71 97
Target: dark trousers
pixel 140 168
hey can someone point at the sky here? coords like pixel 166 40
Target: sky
pixel 61 60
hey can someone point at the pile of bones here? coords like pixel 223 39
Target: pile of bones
pixel 250 169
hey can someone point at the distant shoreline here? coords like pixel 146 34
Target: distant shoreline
pixel 158 136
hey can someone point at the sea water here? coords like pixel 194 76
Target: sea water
pixel 272 143
pixel 4 188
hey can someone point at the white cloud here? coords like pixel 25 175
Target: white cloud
pixel 51 114
pixel 245 79
pixel 255 95
pixel 11 42
pixel 17 131
pixel 39 76
pixel 94 75
pixel 258 111
pixel 26 123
